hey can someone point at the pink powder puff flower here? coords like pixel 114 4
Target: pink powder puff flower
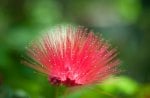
pixel 72 56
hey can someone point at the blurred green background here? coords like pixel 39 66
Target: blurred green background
pixel 124 23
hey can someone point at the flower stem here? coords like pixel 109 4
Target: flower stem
pixel 59 91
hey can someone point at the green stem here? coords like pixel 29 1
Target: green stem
pixel 60 91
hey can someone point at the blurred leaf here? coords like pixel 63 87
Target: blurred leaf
pixel 129 9
pixel 122 84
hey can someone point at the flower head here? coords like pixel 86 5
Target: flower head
pixel 73 56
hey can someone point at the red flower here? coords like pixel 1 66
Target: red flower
pixel 72 56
